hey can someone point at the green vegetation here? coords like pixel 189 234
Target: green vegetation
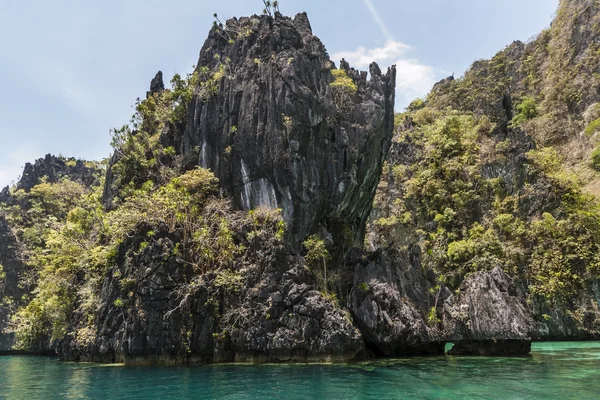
pixel 592 128
pixel 343 88
pixel 497 173
pixel 270 7
pixel 342 83
pixel 526 110
pixel 543 229
pixel 596 158
pixel 364 287
pixel 317 256
pixel 143 159
pixel 74 245
pixel 84 243
pixel 416 105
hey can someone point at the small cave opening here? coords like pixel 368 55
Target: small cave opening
pixel 507 106
pixel 372 351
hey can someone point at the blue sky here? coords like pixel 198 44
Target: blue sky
pixel 71 69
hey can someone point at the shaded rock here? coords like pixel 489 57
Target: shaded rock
pixel 11 291
pixel 156 85
pixel 5 195
pixel 151 313
pixel 390 301
pixel 488 317
pixel 10 272
pixel 556 321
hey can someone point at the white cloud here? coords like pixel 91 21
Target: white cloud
pixel 414 79
pixel 362 57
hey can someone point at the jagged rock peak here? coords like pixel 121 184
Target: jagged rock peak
pixel 276 132
pixel 54 168
pixel 156 85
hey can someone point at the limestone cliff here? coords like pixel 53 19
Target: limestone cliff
pixel 233 220
pixel 278 134
pixel 281 128
pixel 499 169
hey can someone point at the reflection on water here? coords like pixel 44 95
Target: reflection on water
pixel 553 371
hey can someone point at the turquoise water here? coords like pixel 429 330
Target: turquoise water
pixel 553 371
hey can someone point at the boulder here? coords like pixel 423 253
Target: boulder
pixel 488 317
pixel 390 302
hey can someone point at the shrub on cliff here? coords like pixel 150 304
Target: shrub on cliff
pixel 596 158
pixel 317 256
pixel 526 110
pixel 343 88
pixel 439 193
pixel 79 252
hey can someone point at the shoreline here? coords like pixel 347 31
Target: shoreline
pixel 356 361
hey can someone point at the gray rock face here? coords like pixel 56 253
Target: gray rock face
pixel 54 168
pixel 556 322
pixel 156 85
pixel 267 121
pixel 390 302
pixel 274 314
pixel 488 316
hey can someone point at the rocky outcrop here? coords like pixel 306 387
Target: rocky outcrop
pixel 402 310
pixel 156 85
pixel 488 317
pixel 577 318
pixel 390 302
pixel 54 168
pixel 152 312
pixel 267 121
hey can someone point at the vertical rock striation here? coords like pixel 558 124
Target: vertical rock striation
pixel 267 121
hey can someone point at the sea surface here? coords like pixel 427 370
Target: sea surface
pixel 562 370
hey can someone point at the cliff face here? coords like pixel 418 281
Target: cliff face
pixel 278 134
pixel 266 309
pixel 557 70
pixel 280 128
pixel 499 169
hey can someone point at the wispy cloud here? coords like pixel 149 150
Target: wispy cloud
pixel 375 14
pixel 362 57
pixel 414 78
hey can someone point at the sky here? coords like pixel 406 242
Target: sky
pixel 72 69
